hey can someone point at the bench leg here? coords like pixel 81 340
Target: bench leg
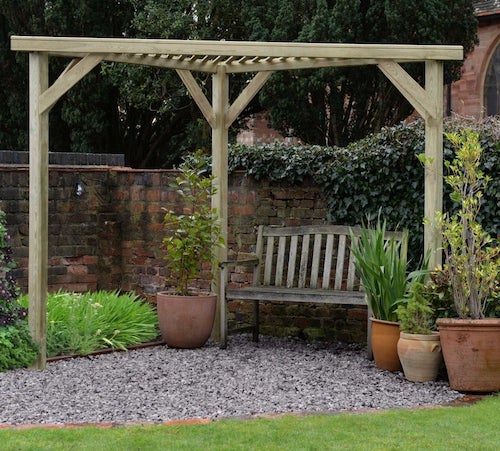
pixel 256 321
pixel 369 351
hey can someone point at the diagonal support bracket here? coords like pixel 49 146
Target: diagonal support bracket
pixel 419 97
pixel 198 96
pixel 73 73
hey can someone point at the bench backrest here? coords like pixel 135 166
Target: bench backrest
pixel 315 256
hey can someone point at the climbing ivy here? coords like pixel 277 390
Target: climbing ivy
pixel 378 173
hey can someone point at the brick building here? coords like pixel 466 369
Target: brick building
pixel 477 93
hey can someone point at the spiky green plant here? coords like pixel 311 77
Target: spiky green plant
pixel 382 264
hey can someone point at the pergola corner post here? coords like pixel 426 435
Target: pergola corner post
pixel 38 203
pixel 220 140
pixel 434 168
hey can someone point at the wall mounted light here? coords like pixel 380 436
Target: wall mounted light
pixel 79 189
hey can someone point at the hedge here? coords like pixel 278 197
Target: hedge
pixel 380 172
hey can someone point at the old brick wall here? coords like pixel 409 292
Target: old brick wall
pixel 110 237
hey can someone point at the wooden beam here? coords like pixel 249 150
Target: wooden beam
pixel 69 78
pixel 38 204
pixel 419 98
pixel 401 52
pixel 246 96
pixel 434 169
pixel 220 103
pixel 197 94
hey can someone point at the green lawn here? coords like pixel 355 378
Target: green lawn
pixel 474 427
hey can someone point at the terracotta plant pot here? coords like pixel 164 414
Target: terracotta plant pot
pixel 385 337
pixel 185 321
pixel 420 356
pixel 471 351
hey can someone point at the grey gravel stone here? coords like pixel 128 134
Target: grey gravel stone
pixel 161 384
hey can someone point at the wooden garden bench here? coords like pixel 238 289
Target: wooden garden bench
pixel 308 264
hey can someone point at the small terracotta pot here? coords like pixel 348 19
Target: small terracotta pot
pixel 420 356
pixel 385 337
pixel 185 321
pixel 471 351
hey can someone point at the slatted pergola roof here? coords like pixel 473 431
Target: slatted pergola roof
pixel 221 59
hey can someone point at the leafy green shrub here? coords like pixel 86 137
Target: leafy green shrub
pixel 79 323
pixel 378 173
pixel 17 349
pixel 10 310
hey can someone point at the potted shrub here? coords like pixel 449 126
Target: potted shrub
pixel 419 347
pixel 381 263
pixel 186 315
pixel 470 342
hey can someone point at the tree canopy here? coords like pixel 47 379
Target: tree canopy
pixel 147 114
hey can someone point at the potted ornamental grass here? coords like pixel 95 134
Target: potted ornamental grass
pixel 381 262
pixel 471 342
pixel 419 346
pixel 192 234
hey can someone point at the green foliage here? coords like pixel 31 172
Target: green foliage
pixel 192 236
pixel 381 263
pixel 415 314
pixel 340 105
pixel 146 112
pixel 472 255
pixel 17 349
pixel 378 173
pixel 79 323
pixel 10 310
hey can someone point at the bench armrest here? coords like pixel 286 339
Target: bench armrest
pixel 244 261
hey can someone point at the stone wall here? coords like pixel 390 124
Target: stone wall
pixel 109 237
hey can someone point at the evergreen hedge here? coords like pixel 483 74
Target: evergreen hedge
pixel 380 172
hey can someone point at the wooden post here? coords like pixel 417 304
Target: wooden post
pixel 38 203
pixel 434 170
pixel 220 105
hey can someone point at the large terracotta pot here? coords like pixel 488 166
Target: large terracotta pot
pixel 420 356
pixel 385 336
pixel 471 351
pixel 185 321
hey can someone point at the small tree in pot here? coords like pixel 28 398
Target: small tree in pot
pixel 472 262
pixel 186 316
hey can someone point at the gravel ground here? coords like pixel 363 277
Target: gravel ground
pixel 161 384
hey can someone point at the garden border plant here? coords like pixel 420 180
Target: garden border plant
pixel 17 348
pixel 80 323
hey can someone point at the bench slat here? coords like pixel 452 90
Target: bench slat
pixel 282 294
pixel 315 260
pixel 290 277
pixel 351 270
pixel 268 266
pixel 280 261
pixel 327 267
pixel 339 270
pixel 303 261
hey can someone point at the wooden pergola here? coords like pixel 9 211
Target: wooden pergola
pixel 220 58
